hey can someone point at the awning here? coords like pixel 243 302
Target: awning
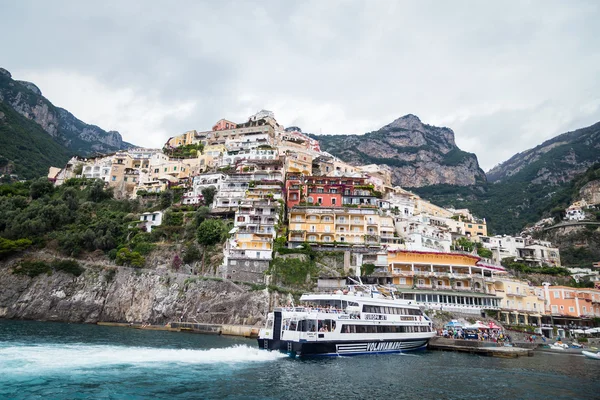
pixel 233 230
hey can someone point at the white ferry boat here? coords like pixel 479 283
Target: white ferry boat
pixel 356 322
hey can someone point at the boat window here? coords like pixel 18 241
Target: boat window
pixel 302 326
pixel 293 325
pixel 381 329
pixel 270 323
pixel 311 325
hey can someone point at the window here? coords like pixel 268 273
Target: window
pixel 584 310
pixel 153 217
pixel 319 200
pixel 403 281
pixel 571 309
pixel 298 218
pixel 556 294
pixel 312 238
pixel 333 201
pixel 125 179
pixel 114 178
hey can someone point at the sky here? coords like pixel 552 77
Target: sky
pixel 504 75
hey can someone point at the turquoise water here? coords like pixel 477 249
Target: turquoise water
pixel 68 361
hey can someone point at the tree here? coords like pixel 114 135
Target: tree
pixel 40 187
pixel 201 215
pixel 209 195
pixel 166 199
pixel 210 232
pixel 97 193
pixel 484 253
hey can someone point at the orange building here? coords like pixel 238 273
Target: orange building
pixel 572 302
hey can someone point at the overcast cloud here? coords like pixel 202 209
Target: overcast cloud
pixel 504 76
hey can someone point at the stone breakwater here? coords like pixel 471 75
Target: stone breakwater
pixel 119 294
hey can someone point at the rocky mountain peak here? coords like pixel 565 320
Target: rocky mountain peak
pixel 31 87
pixel 418 154
pixel 5 73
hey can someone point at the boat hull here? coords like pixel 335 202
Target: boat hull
pixel 343 348
pixel 589 354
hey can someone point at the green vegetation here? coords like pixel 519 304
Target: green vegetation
pixel 293 272
pixel 8 247
pixel 35 268
pixel 212 231
pixel 186 151
pixel 130 258
pixel 27 147
pixel 208 193
pixel 511 264
pixel 67 218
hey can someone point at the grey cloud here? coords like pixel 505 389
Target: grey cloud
pixel 504 76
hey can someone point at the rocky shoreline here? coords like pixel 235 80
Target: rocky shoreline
pixel 132 296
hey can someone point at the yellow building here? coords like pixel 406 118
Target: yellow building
pixel 183 139
pixel 298 162
pixel 425 207
pixel 345 226
pixel 521 304
pixel 428 270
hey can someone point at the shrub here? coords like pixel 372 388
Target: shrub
pixel 12 246
pixel 130 258
pixel 144 248
pixel 68 266
pixel 32 268
pixel 191 253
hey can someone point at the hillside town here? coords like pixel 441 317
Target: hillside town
pixel 282 191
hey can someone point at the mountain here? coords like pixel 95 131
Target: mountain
pixel 418 154
pixel 70 133
pixel 555 161
pixel 531 184
pixel 25 148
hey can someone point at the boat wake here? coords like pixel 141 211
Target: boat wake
pixel 27 358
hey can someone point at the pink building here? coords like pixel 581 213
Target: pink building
pixel 223 125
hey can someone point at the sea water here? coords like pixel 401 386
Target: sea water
pixel 69 361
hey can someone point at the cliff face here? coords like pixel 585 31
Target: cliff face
pixel 26 99
pixel 418 154
pixel 128 295
pixel 553 162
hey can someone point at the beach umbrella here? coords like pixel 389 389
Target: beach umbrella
pixel 492 325
pixel 579 331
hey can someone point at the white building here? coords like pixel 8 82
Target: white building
pixel 150 219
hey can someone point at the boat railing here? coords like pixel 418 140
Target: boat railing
pixel 324 310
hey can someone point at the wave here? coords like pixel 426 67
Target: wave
pixel 27 358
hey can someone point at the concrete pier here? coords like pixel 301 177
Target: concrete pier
pixel 489 349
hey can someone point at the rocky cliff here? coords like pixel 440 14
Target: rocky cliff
pixel 78 137
pixel 553 162
pixel 418 154
pixel 119 294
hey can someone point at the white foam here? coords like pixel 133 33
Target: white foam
pixel 27 358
